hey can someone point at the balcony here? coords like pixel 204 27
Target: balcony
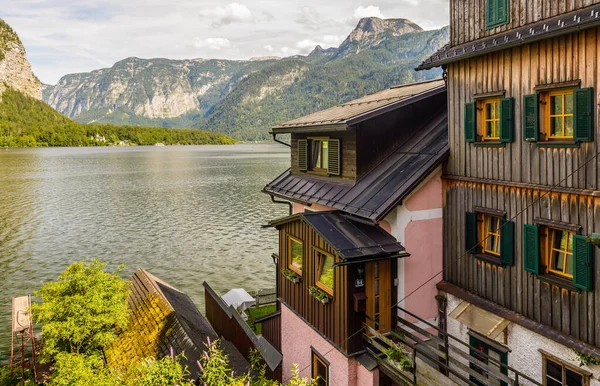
pixel 419 352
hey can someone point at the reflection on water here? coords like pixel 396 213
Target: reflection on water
pixel 186 214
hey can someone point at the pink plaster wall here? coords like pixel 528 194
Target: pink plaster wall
pixel 299 208
pixel 429 195
pixel 297 338
pixel 423 240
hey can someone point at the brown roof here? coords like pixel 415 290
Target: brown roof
pixel 357 110
pixel 558 25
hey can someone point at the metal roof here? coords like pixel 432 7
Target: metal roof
pixel 351 112
pixel 351 239
pixel 558 25
pixel 379 191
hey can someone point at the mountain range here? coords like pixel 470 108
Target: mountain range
pixel 244 98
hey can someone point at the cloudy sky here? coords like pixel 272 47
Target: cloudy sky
pixel 68 36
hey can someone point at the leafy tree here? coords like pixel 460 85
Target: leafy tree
pixel 72 369
pixel 83 311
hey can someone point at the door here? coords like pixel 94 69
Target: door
pixel 378 287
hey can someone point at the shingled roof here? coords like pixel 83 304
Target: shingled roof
pixel 162 317
pixel 378 192
pixel 352 240
pixel 558 25
pixel 353 112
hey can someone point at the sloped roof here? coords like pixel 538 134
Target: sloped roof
pixel 351 239
pixel 558 25
pixel 366 107
pixel 378 192
pixel 162 317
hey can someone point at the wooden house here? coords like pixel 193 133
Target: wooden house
pixel 521 187
pixel 364 231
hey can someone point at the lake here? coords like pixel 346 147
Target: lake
pixel 187 214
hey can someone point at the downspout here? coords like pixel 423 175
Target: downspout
pixel 278 141
pixel 282 202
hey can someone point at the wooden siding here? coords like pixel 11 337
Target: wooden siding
pixel 347 151
pixel 332 319
pixel 572 312
pixel 271 330
pixel 467 17
pixel 518 71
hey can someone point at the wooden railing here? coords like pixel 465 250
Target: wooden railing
pixel 440 350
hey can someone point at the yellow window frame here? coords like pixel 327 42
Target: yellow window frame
pixel 486 232
pixel 321 257
pixel 493 119
pixel 551 248
pixel 316 360
pixel 564 368
pixel 290 258
pixel 548 116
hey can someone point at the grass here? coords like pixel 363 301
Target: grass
pixel 258 312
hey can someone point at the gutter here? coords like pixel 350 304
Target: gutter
pixel 279 141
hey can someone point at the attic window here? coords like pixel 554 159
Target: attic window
pixel 319 155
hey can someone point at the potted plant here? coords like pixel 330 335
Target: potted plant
pixel 319 294
pixel 291 276
pixel 398 356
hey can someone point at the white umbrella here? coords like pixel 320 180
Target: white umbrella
pixel 239 299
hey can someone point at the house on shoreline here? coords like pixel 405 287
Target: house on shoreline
pixel 364 232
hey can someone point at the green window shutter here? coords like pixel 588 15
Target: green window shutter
pixel 303 154
pixel 507 242
pixel 582 263
pixel 471 239
pixel 490 13
pixel 507 119
pixel 470 124
pixel 531 248
pixel 531 117
pixel 584 112
pixel 334 161
pixel 502 12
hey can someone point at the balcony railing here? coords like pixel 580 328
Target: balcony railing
pixel 438 350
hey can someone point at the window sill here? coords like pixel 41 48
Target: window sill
pixel 490 259
pixel 489 144
pixel 564 144
pixel 558 281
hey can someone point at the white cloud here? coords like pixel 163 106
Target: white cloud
pixel 268 47
pixel 370 11
pixel 212 43
pixel 229 14
pixel 305 46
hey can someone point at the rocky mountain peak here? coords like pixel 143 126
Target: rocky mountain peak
pixel 15 69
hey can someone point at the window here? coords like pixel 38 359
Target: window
pixel 558 374
pixel 496 13
pixel 553 252
pixel 559 252
pixel 320 369
pixel 559 115
pixel 319 155
pixel 490 236
pixel 479 346
pixel 489 120
pixel 295 254
pixel 325 271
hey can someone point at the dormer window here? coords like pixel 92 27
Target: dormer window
pixel 319 155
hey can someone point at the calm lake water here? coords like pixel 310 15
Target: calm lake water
pixel 186 214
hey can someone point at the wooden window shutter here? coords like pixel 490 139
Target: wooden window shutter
pixel 507 119
pixel 531 248
pixel 584 112
pixel 502 11
pixel 334 162
pixel 471 237
pixel 531 118
pixel 507 242
pixel 582 263
pixel 303 154
pixel 490 13
pixel 470 124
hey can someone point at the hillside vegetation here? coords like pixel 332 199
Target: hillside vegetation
pixel 28 122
